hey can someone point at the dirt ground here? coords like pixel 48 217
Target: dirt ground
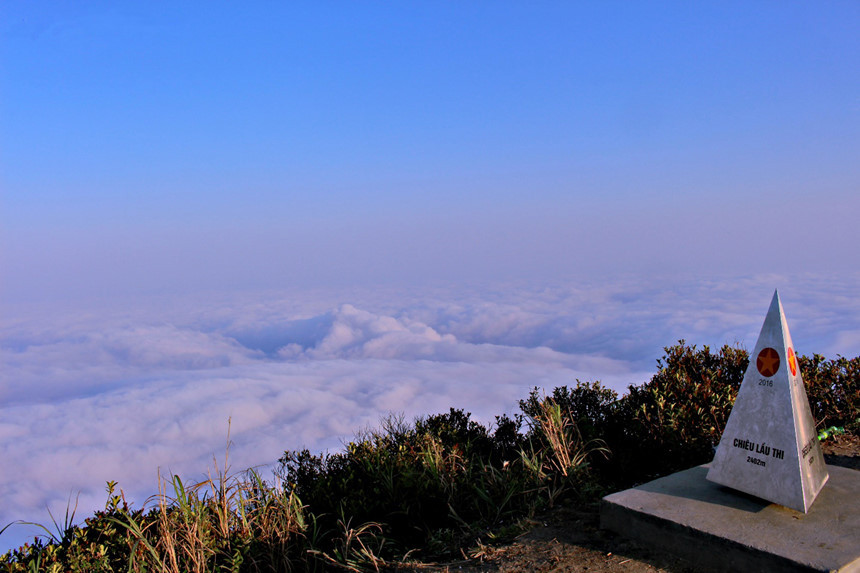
pixel 566 540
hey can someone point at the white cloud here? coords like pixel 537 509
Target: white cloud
pixel 69 360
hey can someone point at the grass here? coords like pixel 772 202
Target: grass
pixel 229 522
pixel 561 458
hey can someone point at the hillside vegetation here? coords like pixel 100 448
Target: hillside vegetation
pixel 423 490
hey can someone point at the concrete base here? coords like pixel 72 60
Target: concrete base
pixel 720 529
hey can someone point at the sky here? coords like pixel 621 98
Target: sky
pixel 301 216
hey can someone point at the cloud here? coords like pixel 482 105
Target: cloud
pixel 121 392
pixel 69 361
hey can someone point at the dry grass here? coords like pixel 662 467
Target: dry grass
pixel 212 524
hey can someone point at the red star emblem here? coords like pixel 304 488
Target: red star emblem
pixel 792 362
pixel 767 362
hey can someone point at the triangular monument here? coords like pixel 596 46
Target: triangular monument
pixel 770 448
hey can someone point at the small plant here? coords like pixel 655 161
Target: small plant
pixel 356 548
pixel 830 432
pixel 560 458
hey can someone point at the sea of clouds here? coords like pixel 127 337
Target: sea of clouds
pixel 125 390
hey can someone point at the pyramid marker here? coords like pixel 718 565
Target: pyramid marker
pixel 770 448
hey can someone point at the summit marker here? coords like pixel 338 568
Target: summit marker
pixel 769 447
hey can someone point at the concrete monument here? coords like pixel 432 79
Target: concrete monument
pixel 769 447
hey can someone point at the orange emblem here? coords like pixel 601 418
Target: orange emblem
pixel 792 362
pixel 767 362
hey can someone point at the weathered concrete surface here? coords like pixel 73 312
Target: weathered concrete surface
pixel 720 529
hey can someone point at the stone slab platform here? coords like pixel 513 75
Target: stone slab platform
pixel 720 529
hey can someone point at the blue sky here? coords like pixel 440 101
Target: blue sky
pixel 253 144
pixel 302 216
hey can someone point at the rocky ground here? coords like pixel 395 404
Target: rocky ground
pixel 566 540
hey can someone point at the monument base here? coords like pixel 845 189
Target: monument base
pixel 720 529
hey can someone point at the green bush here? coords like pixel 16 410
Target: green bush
pixel 445 475
pixel 98 545
pixel 589 404
pixel 833 388
pixel 671 422
pixel 675 420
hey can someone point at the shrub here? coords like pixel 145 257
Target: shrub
pixel 588 404
pixel 676 419
pixel 833 388
pixel 446 473
pixel 669 423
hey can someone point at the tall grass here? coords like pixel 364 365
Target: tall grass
pixel 228 522
pixel 560 457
